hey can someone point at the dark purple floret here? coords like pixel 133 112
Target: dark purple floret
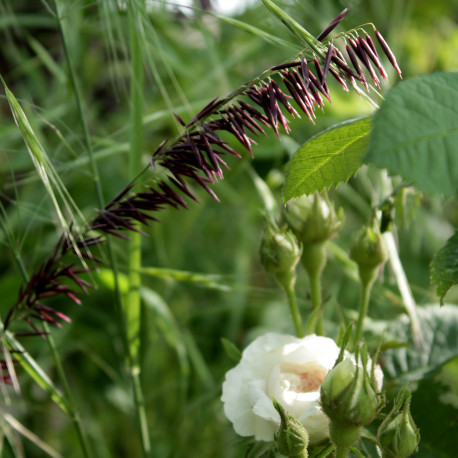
pixel 388 52
pixel 332 25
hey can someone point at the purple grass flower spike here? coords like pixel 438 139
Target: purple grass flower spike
pixel 332 25
pixel 356 65
pixel 305 71
pixel 388 52
pixel 327 62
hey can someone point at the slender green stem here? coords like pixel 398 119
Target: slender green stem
pixel 141 411
pixel 315 290
pixel 294 309
pixel 133 302
pixel 367 280
pixel 314 260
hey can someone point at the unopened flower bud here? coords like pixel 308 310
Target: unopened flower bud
pixel 280 252
pixel 313 219
pixel 348 395
pixel 398 435
pixel 368 251
pixel 292 438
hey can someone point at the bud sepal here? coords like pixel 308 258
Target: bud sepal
pixel 292 438
pixel 349 394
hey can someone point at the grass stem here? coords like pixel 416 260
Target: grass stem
pixel 133 302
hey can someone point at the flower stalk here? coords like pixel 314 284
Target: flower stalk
pixel 314 221
pixel 369 252
pixel 294 309
pixel 280 252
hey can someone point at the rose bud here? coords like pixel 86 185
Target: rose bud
pixel 398 435
pixel 348 395
pixel 368 251
pixel 313 219
pixel 349 398
pixel 280 252
pixel 292 438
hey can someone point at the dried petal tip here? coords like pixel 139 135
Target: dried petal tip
pixel 332 25
pixel 388 52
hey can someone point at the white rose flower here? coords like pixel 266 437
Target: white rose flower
pixel 288 369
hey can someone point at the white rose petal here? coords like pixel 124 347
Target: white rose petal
pixel 288 369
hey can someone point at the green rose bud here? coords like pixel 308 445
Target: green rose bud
pixel 368 251
pixel 280 252
pixel 313 219
pixel 348 395
pixel 398 435
pixel 292 438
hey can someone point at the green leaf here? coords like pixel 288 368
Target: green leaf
pixel 444 267
pixel 415 133
pixel 206 280
pixel 231 350
pixel 167 324
pixel 328 158
pixel 434 408
pixel 439 327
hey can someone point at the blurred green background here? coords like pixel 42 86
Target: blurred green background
pixel 193 55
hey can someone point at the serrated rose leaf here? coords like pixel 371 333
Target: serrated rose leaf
pixel 415 133
pixel 328 158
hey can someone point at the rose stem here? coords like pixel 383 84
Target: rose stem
pixel 314 263
pixel 296 316
pixel 287 280
pixel 367 279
